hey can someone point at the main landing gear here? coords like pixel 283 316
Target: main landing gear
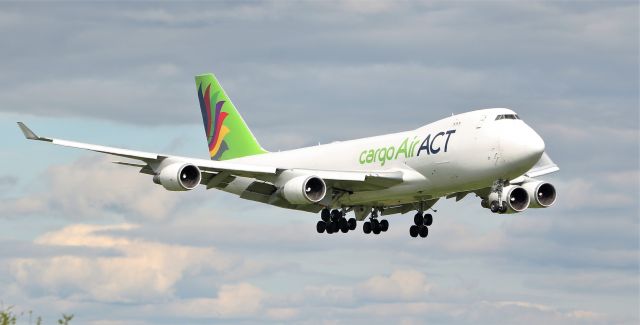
pixel 421 224
pixel 375 226
pixel 334 221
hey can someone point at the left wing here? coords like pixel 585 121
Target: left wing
pixel 343 180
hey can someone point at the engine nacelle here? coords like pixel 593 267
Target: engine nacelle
pixel 542 194
pixel 514 199
pixel 178 177
pixel 304 190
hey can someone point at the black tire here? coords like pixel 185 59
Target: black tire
pixel 413 231
pixel 503 209
pixel 344 228
pixel 352 224
pixel 374 223
pixel 343 224
pixel 321 226
pixel 329 228
pixel 418 219
pixel 335 227
pixel 325 215
pixel 428 219
pixel 366 227
pixel 494 206
pixel 384 225
pixel 424 232
pixel 376 229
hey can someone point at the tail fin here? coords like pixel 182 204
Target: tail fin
pixel 227 134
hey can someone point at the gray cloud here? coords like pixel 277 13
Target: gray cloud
pixel 85 189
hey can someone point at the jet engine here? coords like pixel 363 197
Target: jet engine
pixel 542 194
pixel 178 177
pixel 514 199
pixel 304 190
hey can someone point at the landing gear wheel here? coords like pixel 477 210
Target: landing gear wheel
pixel 418 219
pixel 428 219
pixel 503 209
pixel 352 224
pixel 384 225
pixel 335 215
pixel 329 228
pixel 413 231
pixel 375 223
pixel 424 232
pixel 321 226
pixel 376 228
pixel 366 227
pixel 494 206
pixel 325 215
pixel 343 224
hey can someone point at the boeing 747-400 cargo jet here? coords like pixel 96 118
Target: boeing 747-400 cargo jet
pixel 491 153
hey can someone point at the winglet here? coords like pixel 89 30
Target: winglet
pixel 29 134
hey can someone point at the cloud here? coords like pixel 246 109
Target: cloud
pixel 8 180
pixel 141 270
pixel 401 285
pixel 238 300
pixel 95 188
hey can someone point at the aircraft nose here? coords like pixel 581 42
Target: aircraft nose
pixel 522 146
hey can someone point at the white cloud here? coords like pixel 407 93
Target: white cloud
pixel 233 300
pixel 96 188
pixel 588 192
pixel 140 271
pixel 401 285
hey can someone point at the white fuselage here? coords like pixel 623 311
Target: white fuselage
pixel 460 153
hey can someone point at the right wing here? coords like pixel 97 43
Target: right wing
pixel 544 166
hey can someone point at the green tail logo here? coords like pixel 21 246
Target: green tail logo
pixel 227 134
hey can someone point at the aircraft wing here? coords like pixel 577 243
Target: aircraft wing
pixel 343 180
pixel 544 166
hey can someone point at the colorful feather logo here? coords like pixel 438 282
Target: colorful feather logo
pixel 214 123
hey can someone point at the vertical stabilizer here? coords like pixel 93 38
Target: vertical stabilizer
pixel 228 136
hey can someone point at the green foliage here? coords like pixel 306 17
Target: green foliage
pixel 65 319
pixel 9 317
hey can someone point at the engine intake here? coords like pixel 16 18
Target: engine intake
pixel 542 194
pixel 304 190
pixel 178 177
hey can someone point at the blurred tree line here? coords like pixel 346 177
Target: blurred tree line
pixel 10 317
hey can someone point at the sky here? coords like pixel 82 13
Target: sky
pixel 81 235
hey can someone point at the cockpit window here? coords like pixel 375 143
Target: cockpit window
pixel 507 117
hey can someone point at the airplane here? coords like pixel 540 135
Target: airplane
pixel 491 153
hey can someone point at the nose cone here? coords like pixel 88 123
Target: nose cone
pixel 521 146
